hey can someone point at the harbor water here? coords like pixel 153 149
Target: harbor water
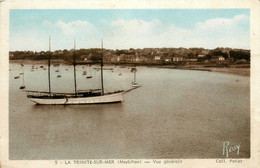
pixel 174 114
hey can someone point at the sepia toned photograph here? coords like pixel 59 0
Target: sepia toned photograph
pixel 129 84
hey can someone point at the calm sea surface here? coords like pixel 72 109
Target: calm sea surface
pixel 175 114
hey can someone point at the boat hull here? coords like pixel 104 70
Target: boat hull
pixel 110 98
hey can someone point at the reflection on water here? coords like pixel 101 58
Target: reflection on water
pixel 175 114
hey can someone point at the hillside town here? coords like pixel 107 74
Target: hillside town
pixel 176 56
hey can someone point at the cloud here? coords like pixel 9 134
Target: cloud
pixel 28 42
pixel 77 26
pixel 223 24
pixel 63 33
pixel 217 32
pixel 137 33
pixel 223 32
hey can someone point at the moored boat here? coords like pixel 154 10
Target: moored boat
pixel 86 97
pixel 22 87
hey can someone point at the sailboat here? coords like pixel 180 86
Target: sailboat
pixel 92 96
pixel 134 83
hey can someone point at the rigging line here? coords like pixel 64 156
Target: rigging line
pixel 102 82
pixel 74 64
pixel 49 64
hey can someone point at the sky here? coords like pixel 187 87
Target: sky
pixel 129 28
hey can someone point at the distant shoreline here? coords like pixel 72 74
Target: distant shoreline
pixel 236 69
pixel 229 70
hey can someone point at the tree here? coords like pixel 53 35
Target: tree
pixel 240 55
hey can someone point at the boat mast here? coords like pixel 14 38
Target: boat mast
pixel 49 64
pixel 74 64
pixel 135 76
pixel 23 74
pixel 102 84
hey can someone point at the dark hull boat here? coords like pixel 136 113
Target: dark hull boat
pixel 22 87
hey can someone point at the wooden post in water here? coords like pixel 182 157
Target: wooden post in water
pixel 49 64
pixel 102 84
pixel 74 64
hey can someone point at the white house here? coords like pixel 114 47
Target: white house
pixel 168 59
pixel 177 59
pixel 157 58
pixel 11 54
pixel 221 58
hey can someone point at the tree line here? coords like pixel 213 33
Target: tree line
pixel 95 53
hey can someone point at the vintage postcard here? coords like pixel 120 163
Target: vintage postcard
pixel 130 84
